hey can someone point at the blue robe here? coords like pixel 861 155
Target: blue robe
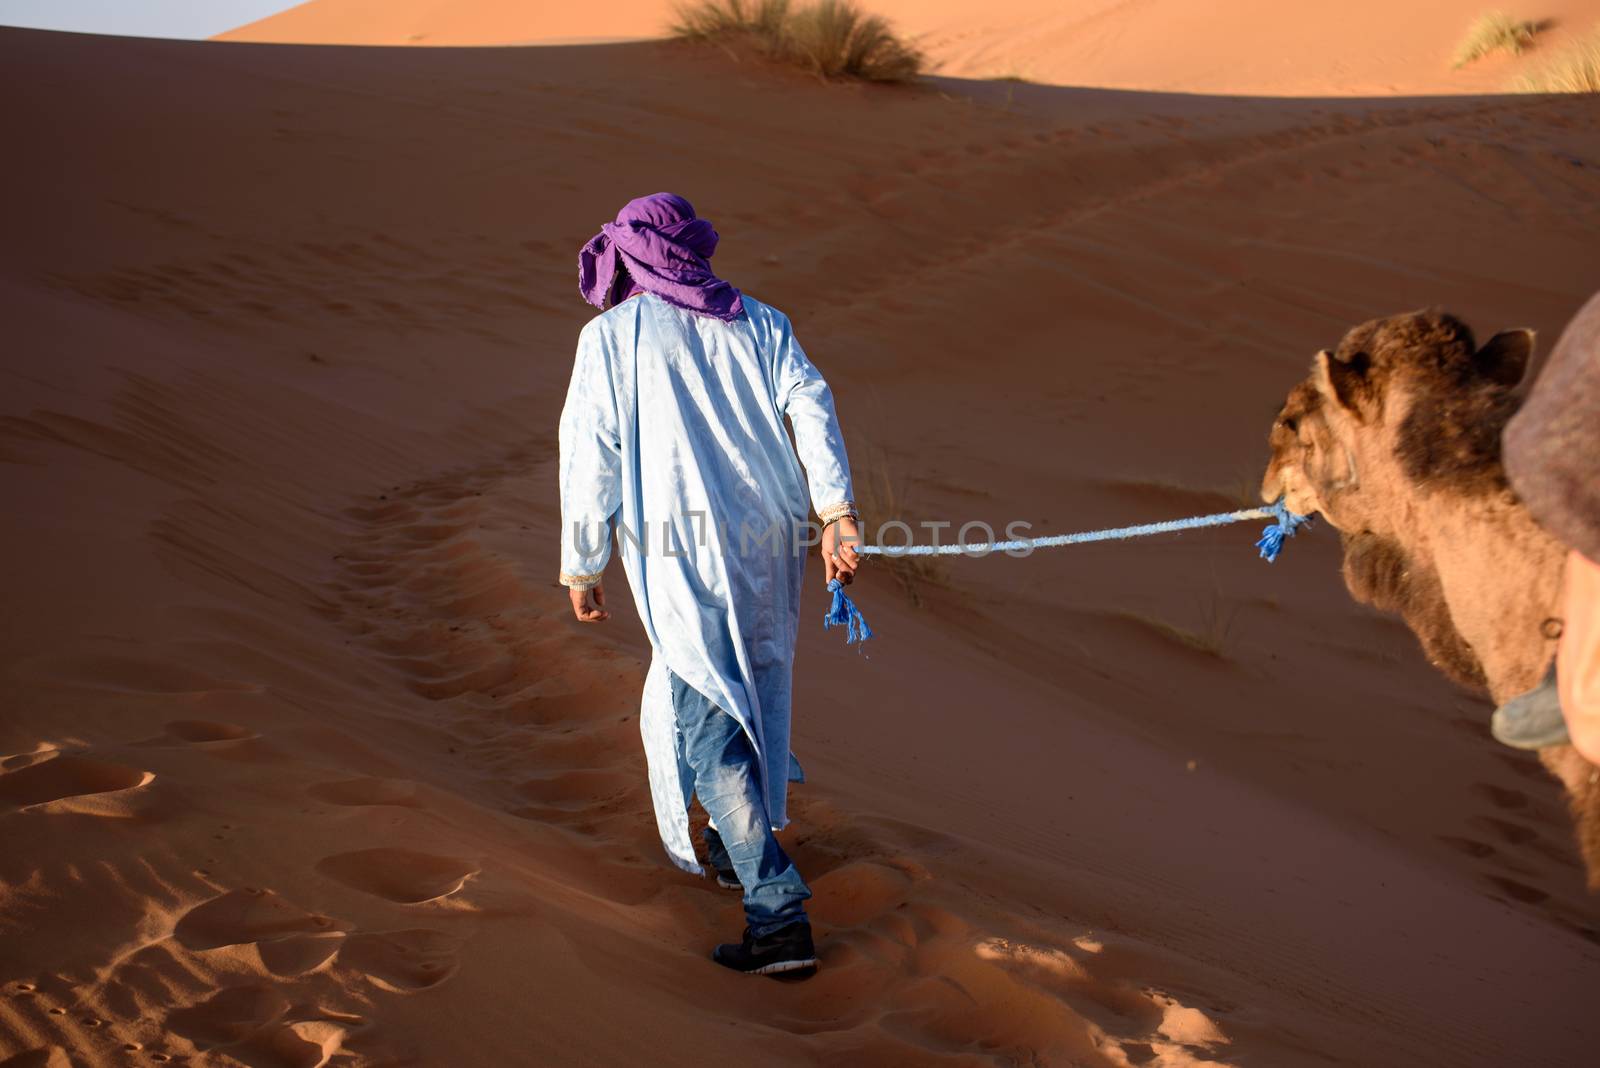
pixel 673 433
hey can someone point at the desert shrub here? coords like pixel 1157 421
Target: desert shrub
pixel 1576 69
pixel 716 18
pixel 834 38
pixel 1494 32
pixel 837 39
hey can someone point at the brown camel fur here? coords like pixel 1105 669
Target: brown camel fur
pixel 1395 440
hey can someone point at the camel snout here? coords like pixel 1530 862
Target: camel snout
pixel 1271 485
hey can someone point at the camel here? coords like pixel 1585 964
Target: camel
pixel 1394 440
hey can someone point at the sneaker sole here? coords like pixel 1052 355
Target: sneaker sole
pixel 729 884
pixel 784 966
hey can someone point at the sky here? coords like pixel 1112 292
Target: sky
pixel 139 18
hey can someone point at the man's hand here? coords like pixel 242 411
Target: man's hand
pixel 589 605
pixel 839 557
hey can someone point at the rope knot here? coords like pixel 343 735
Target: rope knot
pixel 1287 526
pixel 844 613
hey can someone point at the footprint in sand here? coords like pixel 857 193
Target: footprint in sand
pixel 579 796
pixel 203 731
pixel 231 1016
pixel 67 776
pixel 400 875
pixel 299 954
pixel 399 961
pixel 368 791
pixel 249 915
pixel 17 761
pixel 218 738
pixel 257 1025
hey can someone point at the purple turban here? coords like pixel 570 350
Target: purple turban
pixel 657 245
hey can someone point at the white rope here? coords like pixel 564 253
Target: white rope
pixel 1052 541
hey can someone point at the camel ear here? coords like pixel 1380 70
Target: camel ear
pixel 1504 358
pixel 1345 382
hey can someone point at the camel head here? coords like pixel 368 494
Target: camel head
pixel 1406 405
pixel 1395 439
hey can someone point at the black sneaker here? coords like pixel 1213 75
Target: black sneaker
pixel 786 951
pixel 727 878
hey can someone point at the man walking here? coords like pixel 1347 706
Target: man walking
pixel 673 435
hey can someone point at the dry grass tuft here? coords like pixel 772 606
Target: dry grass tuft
pixel 717 18
pixel 881 498
pixel 833 38
pixel 1494 32
pixel 1216 618
pixel 1576 69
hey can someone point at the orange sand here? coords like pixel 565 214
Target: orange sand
pixel 306 763
pixel 1259 47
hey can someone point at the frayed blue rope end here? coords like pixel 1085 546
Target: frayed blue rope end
pixel 844 613
pixel 1288 524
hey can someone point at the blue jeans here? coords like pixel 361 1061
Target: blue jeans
pixel 729 787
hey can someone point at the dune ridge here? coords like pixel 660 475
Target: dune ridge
pixel 1253 47
pixel 306 764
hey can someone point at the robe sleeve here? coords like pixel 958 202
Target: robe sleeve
pixel 591 464
pixel 804 397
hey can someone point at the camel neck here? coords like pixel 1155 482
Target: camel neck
pixel 1501 575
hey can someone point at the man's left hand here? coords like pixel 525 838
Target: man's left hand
pixel 589 605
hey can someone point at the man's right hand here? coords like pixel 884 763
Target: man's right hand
pixel 839 558
pixel 589 605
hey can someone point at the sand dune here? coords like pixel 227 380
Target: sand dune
pixel 303 761
pixel 1256 47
